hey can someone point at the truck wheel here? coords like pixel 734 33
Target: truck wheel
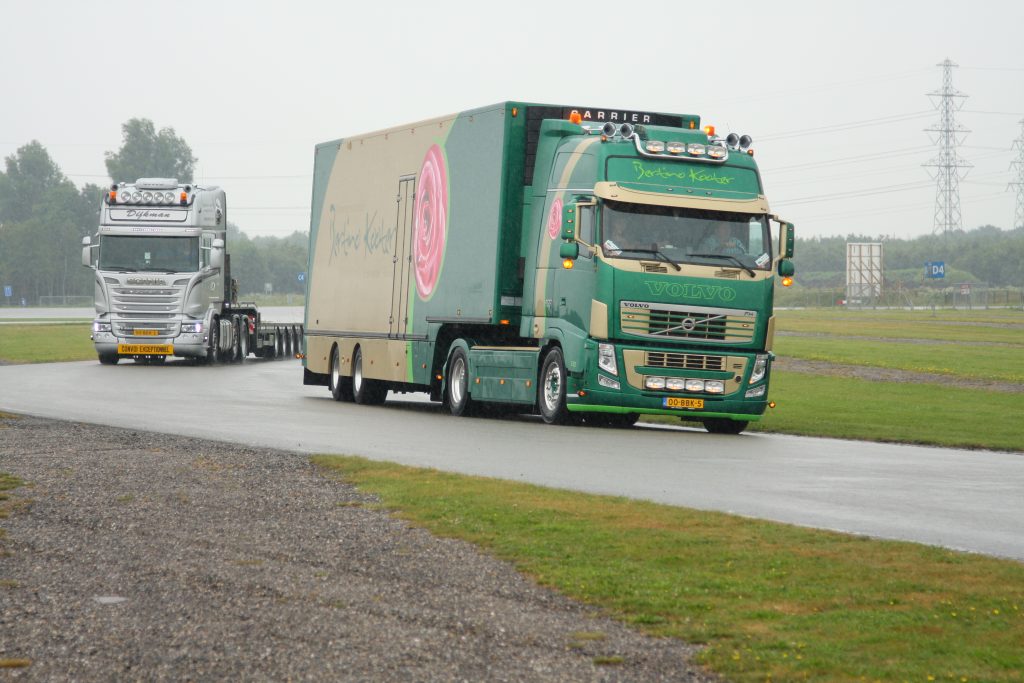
pixel 109 358
pixel 367 392
pixel 457 387
pixel 341 387
pixel 722 425
pixel 236 347
pixel 551 389
pixel 213 352
pixel 243 339
pixel 287 342
pixel 278 342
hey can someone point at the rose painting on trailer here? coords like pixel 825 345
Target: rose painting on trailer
pixel 555 219
pixel 430 221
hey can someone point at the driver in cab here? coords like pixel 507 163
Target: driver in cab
pixel 721 241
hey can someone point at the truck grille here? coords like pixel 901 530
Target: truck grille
pixel 151 308
pixel 683 361
pixel 699 323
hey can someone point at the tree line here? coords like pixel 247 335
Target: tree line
pixel 985 255
pixel 44 216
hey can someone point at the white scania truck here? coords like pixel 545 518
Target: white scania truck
pixel 163 280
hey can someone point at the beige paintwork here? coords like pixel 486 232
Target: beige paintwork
pixel 598 319
pixel 612 190
pixel 360 302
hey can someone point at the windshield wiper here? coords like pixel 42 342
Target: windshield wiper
pixel 123 269
pixel 656 252
pixel 730 258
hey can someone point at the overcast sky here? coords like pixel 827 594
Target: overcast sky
pixel 833 95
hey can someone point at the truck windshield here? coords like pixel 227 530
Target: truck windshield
pixel 643 231
pixel 147 253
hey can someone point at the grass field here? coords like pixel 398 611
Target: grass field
pixel 45 343
pixel 770 601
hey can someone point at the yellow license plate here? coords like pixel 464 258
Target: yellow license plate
pixel 145 333
pixel 675 402
pixel 145 349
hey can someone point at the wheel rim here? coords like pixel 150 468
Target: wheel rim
pixel 552 387
pixel 457 381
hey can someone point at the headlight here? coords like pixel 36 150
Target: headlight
pixel 695 385
pixel 136 197
pixel 101 327
pixel 760 367
pixel 716 152
pixel 675 384
pixel 695 149
pixel 147 197
pixel 606 359
pixel 607 382
pixel 124 197
pixel 756 392
pixel 655 146
pixel 168 197
pixel 714 386
pixel 654 382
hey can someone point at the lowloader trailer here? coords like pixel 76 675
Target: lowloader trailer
pixel 585 264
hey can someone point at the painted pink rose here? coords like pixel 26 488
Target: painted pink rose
pixel 430 221
pixel 555 220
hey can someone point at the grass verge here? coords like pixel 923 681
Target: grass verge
pixel 846 408
pixel 45 343
pixel 770 601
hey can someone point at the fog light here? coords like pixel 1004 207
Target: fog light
pixel 695 385
pixel 607 382
pixel 756 392
pixel 101 327
pixel 655 146
pixel 716 152
pixel 675 147
pixel 696 149
pixel 192 328
pixel 654 382
pixel 714 386
pixel 675 384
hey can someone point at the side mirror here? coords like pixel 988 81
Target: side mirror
pixel 786 240
pixel 217 254
pixel 569 250
pixel 786 268
pixel 87 251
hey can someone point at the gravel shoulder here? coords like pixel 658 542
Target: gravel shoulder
pixel 131 555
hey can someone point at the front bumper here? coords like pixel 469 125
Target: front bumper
pixel 587 394
pixel 182 346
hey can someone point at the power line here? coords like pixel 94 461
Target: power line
pixel 860 158
pixel 850 125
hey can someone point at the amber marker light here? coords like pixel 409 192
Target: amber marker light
pixel 112 196
pixel 575 117
pixel 503 322
pixel 515 112
pixel 567 264
pixel 771 404
pixel 709 131
pixel 787 281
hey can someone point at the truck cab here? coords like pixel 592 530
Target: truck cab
pixel 161 279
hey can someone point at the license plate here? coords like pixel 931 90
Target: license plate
pixel 145 349
pixel 145 333
pixel 676 402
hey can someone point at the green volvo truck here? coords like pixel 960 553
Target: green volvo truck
pixel 585 264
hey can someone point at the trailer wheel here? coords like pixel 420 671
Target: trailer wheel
pixel 341 387
pixel 551 389
pixel 367 392
pixel 109 358
pixel 722 425
pixel 459 401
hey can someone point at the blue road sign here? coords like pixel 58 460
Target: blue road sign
pixel 302 277
pixel 935 269
pixel 8 291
